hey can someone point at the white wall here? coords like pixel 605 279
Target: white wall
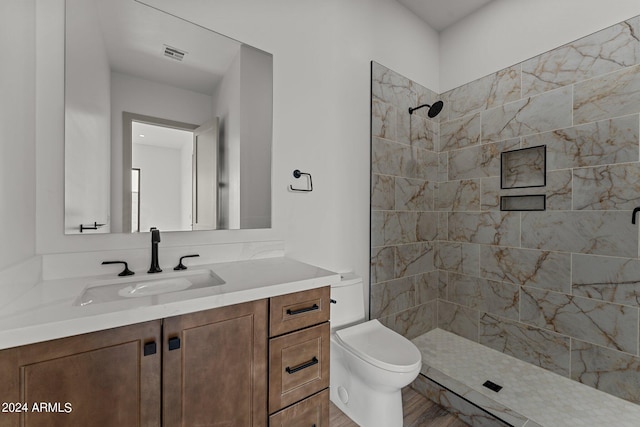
pixel 186 185
pixel 227 109
pixel 87 124
pixel 17 132
pixel 256 112
pixel 160 186
pixel 506 32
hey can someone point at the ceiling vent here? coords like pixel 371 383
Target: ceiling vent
pixel 174 53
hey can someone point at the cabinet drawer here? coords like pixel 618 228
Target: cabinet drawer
pixel 298 366
pixel 298 310
pixel 313 411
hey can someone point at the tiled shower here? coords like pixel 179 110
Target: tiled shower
pixel 558 288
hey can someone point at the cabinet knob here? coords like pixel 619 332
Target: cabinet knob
pixel 174 343
pixel 149 348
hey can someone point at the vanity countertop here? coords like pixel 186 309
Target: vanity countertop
pixel 48 310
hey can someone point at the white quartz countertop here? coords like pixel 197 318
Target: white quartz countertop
pixel 48 310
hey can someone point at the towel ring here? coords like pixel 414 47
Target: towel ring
pixel 298 174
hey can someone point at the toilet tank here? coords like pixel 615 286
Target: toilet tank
pixel 349 297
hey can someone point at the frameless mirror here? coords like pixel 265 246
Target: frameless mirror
pixel 167 124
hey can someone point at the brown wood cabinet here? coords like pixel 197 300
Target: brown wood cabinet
pixel 313 411
pixel 96 379
pixel 202 369
pixel 215 367
pixel 299 359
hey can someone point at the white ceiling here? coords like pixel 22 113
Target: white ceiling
pixel 160 136
pixel 135 35
pixel 440 14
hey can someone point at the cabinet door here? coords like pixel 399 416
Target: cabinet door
pixel 101 378
pixel 215 367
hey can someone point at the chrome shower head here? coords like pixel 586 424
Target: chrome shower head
pixel 434 109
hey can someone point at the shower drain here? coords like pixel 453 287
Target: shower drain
pixel 492 386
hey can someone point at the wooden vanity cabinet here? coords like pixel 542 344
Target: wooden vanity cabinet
pixel 201 369
pixel 299 359
pixel 253 364
pixel 96 379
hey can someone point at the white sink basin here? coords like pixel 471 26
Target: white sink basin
pixel 145 286
pixel 155 287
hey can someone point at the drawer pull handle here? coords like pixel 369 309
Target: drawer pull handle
pixel 302 310
pixel 305 365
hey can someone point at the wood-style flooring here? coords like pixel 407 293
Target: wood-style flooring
pixel 418 412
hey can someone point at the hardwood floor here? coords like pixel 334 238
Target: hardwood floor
pixel 418 412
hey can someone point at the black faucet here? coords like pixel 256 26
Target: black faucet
pixel 155 239
pixel 633 215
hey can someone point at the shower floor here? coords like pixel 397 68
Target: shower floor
pixel 530 396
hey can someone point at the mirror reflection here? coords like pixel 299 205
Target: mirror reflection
pixel 167 124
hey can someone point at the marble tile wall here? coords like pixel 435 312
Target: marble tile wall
pixel 559 289
pixel 404 218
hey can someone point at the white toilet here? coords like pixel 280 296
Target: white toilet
pixel 370 363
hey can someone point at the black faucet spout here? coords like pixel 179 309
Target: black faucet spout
pixel 155 239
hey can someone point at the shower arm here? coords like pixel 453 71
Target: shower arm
pixel 434 109
pixel 411 110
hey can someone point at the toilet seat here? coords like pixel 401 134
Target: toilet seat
pixel 380 346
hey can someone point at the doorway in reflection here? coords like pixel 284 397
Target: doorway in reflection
pixel 173 176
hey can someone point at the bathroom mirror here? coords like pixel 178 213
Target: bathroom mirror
pixel 167 124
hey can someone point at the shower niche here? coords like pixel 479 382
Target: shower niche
pixel 534 202
pixel 523 168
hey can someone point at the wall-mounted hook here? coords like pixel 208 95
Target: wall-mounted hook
pixel 298 174
pixel 633 215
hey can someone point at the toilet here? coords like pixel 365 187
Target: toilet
pixel 370 363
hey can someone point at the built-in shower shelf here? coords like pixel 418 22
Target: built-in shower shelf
pixel 535 202
pixel 525 167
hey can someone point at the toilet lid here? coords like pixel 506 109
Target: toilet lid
pixel 380 346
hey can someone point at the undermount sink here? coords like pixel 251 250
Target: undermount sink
pixel 145 286
pixel 155 287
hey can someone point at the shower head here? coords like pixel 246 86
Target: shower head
pixel 434 109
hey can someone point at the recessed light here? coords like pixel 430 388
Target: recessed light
pixel 141 136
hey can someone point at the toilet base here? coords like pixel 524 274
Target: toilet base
pixel 369 404
pixel 371 410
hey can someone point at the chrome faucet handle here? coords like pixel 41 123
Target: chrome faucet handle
pixel 180 265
